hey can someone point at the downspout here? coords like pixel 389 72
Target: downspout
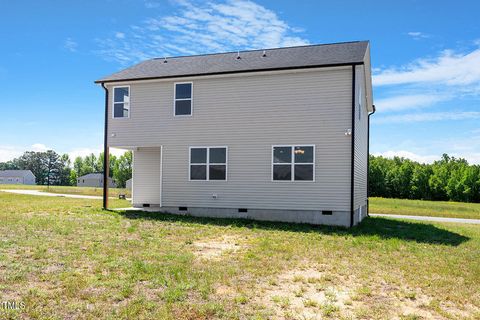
pixel 106 164
pixel 368 158
pixel 352 166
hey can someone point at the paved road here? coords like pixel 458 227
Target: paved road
pixel 425 218
pixel 49 194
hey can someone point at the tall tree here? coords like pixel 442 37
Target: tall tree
pixel 52 166
pixel 122 170
pixel 112 160
pixel 33 161
pixel 65 169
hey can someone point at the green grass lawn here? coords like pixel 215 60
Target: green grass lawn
pixel 425 208
pixel 67 258
pixel 89 191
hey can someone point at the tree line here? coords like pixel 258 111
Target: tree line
pixel 51 169
pixel 446 179
pixel 449 178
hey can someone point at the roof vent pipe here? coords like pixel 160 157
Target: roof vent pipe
pixel 238 55
pixel 264 54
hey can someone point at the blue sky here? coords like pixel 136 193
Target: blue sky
pixel 425 57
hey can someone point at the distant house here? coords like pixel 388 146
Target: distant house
pixel 17 177
pixel 128 184
pixel 94 180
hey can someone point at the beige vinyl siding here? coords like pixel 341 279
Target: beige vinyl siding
pixel 146 176
pixel 248 114
pixel 361 136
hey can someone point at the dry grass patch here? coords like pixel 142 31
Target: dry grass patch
pixel 313 293
pixel 303 294
pixel 215 248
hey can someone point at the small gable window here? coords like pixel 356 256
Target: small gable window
pixel 121 102
pixel 183 99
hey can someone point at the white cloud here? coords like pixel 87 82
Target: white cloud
pixel 417 35
pixel 427 116
pixel 202 28
pixel 120 35
pixel 7 153
pixel 151 4
pixel 425 82
pixel 70 45
pixel 82 152
pixel 449 68
pixel 39 147
pixel 404 102
pixel 409 155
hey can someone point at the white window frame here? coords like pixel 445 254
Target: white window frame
pixel 293 163
pixel 183 99
pixel 207 164
pixel 129 101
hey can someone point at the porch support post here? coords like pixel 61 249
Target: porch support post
pixel 106 153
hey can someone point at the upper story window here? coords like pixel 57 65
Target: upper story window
pixel 183 99
pixel 208 163
pixel 293 163
pixel 121 102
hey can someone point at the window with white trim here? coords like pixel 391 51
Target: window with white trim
pixel 293 163
pixel 208 163
pixel 121 102
pixel 183 99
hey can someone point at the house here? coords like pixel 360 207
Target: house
pixel 17 177
pixel 94 180
pixel 128 184
pixel 277 134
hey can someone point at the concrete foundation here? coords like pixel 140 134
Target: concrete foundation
pixel 317 217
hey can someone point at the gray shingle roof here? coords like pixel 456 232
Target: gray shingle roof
pixel 280 58
pixel 15 173
pixel 97 175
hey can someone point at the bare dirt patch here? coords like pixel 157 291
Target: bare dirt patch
pixel 54 268
pixel 215 248
pixel 303 294
pixel 313 293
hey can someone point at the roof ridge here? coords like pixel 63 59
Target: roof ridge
pixel 257 50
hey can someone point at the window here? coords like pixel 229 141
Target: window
pixel 121 102
pixel 183 99
pixel 293 163
pixel 208 163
